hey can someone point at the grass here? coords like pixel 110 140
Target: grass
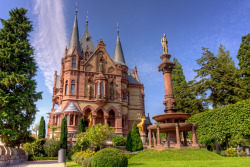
pixel 70 163
pixel 181 158
pixel 185 158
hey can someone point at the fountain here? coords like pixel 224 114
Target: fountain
pixel 171 122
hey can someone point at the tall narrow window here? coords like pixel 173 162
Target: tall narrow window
pixel 101 88
pixel 66 88
pixel 58 121
pixel 127 97
pixel 72 87
pixel 67 119
pixel 97 88
pixel 74 62
pixel 123 95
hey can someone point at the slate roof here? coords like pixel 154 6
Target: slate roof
pixel 118 55
pixel 132 80
pixel 87 41
pixel 71 107
pixel 74 40
pixel 59 109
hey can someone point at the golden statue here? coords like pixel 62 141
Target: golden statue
pixel 141 124
pixel 164 44
pixel 90 119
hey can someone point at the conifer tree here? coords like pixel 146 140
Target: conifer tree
pixel 64 134
pixel 184 92
pixel 129 142
pixel 217 78
pixel 17 83
pixel 244 63
pixel 41 130
pixel 81 126
pixel 136 138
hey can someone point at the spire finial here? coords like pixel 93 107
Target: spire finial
pixel 76 7
pixel 86 17
pixel 117 28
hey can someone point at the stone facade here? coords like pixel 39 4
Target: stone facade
pixel 91 82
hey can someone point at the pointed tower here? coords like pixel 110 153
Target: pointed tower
pixel 74 41
pixel 86 40
pixel 118 55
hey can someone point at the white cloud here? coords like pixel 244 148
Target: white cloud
pixel 49 37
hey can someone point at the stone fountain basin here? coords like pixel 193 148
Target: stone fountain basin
pixel 168 116
pixel 167 127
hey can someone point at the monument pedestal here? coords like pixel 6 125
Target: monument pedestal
pixel 143 138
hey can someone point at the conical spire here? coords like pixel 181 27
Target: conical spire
pixel 118 55
pixel 86 40
pixel 74 41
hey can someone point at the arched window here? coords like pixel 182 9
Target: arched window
pixel 98 88
pixel 66 88
pixel 127 97
pixel 101 87
pixel 74 62
pixel 72 87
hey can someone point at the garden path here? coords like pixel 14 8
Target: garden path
pixel 39 164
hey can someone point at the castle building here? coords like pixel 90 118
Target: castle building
pixel 92 84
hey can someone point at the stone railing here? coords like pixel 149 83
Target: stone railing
pixel 9 156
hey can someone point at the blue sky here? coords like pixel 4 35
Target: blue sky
pixel 188 25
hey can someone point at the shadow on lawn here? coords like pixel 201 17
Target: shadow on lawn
pixel 135 164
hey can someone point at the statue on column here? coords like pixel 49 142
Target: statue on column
pixel 164 43
pixel 141 124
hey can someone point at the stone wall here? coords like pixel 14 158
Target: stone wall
pixel 9 156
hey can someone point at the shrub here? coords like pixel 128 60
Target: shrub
pixel 223 153
pixel 69 156
pixel 110 157
pixel 223 123
pixel 129 142
pixel 98 134
pixel 136 138
pixel 35 148
pixel 87 162
pixel 64 133
pixel 80 157
pixel 43 158
pixel 51 147
pixel 242 154
pixel 82 142
pixel 231 152
pixel 119 141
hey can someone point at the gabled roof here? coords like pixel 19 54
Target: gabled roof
pixel 132 80
pixel 71 107
pixel 74 40
pixel 118 55
pixel 87 40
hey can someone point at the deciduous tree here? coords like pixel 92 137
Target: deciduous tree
pixel 17 84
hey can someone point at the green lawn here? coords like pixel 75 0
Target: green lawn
pixel 181 158
pixel 184 158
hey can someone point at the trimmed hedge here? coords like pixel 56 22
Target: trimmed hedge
pixel 109 157
pixel 223 124
pixel 43 158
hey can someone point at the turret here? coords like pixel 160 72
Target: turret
pixel 118 55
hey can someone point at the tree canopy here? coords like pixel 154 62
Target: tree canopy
pixel 183 92
pixel 17 84
pixel 217 78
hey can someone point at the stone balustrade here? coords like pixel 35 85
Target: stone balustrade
pixel 9 156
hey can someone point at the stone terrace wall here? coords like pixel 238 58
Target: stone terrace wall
pixel 9 156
